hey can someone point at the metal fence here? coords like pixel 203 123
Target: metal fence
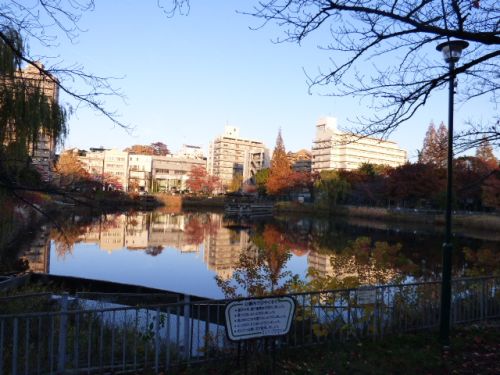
pixel 84 336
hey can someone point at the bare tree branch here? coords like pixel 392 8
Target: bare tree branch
pixel 383 51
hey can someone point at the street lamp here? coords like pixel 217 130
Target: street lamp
pixel 452 50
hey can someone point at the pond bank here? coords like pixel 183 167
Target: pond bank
pixel 474 220
pixel 479 221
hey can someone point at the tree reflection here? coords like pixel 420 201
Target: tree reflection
pixel 482 262
pixel 260 270
pixel 72 230
pixel 362 262
pixel 154 250
pixel 199 226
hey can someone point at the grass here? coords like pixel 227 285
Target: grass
pixel 474 350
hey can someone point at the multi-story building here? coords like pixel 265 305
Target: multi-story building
pixel 139 168
pixel 333 149
pixel 43 149
pixel 105 165
pixel 93 161
pixel 254 161
pixel 116 166
pixel 230 155
pixel 300 160
pixel 170 173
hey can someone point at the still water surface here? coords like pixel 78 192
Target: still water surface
pixel 186 251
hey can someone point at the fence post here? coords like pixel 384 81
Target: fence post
pixel 157 339
pixel 187 315
pixel 483 299
pixel 15 346
pixel 63 326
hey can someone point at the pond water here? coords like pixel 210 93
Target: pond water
pixel 208 255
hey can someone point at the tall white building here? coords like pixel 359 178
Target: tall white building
pixel 230 155
pixel 333 149
pixel 139 172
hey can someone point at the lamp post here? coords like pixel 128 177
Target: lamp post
pixel 452 51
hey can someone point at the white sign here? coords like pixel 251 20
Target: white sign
pixel 366 296
pixel 259 317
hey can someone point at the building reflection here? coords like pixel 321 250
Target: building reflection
pixel 153 232
pixel 218 244
pixel 37 255
pixel 223 249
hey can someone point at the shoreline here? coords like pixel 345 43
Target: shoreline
pixel 474 220
pixel 477 221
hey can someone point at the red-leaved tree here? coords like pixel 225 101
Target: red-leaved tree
pixel 200 182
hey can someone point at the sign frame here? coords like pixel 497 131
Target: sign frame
pixel 366 295
pixel 255 309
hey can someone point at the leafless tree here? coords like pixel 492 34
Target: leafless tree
pixel 383 51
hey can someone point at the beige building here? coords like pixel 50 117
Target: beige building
pixel 93 161
pixel 43 150
pixel 170 173
pixel 105 164
pixel 300 161
pixel 333 149
pixel 230 155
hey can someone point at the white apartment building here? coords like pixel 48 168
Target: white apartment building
pixel 230 155
pixel 140 168
pixel 333 149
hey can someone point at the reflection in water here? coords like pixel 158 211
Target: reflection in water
pixel 250 259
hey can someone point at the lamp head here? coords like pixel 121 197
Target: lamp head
pixel 452 50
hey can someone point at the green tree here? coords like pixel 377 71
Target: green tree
pixel 280 171
pixel 47 22
pixel 236 183
pixel 26 113
pixel 261 178
pixel 331 188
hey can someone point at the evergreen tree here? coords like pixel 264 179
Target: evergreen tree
pixel 485 152
pixel 280 170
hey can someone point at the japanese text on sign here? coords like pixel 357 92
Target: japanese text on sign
pixel 259 317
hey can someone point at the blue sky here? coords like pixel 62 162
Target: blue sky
pixel 186 77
